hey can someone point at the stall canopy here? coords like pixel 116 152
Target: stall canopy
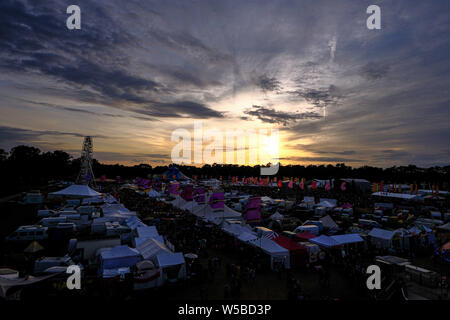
pixel 324 241
pixel 247 236
pixel 404 196
pixel 297 253
pixel 347 238
pixel 150 248
pixel 119 257
pixel 304 236
pixel 76 190
pixel 276 252
pixel 382 234
pixel 170 259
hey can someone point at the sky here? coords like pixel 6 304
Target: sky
pixel 137 71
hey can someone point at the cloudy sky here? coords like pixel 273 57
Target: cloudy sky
pixel 138 70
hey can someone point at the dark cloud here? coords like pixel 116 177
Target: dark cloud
pixel 266 83
pixel 19 135
pixel 325 150
pixel 270 115
pixel 374 71
pixel 321 159
pixel 321 98
pixel 180 109
pixel 35 40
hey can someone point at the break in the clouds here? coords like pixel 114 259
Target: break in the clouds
pixel 139 69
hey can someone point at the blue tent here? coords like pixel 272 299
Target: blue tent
pixel 173 173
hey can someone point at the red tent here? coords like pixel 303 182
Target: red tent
pixel 304 236
pixel 298 253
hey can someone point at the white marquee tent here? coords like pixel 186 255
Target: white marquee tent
pixel 76 190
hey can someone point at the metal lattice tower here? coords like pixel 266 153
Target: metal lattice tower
pixel 86 175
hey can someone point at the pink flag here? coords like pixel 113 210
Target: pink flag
pixel 327 186
pixel 343 186
pixel 291 184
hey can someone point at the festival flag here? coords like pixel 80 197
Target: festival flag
pixel 199 195
pixel 280 184
pixel 216 201
pixel 253 209
pixel 374 187
pixel 381 186
pixel 327 185
pixel 343 186
pixel 291 184
pixel 302 184
pixel 314 184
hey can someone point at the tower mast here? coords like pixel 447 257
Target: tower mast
pixel 86 175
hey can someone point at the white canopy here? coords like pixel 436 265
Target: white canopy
pixel 272 248
pixel 247 236
pixel 382 234
pixel 150 248
pixel 77 190
pixel 170 259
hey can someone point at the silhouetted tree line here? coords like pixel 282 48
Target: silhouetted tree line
pixel 26 167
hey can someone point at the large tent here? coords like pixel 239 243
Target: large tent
pixel 173 173
pixel 76 190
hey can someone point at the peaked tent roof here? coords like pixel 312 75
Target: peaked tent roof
pixel 33 247
pixel 325 241
pixel 77 190
pixel 151 248
pixel 269 246
pixel 119 252
pixel 382 234
pixel 328 222
pixel 347 238
pixel 175 171
pixel 170 259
